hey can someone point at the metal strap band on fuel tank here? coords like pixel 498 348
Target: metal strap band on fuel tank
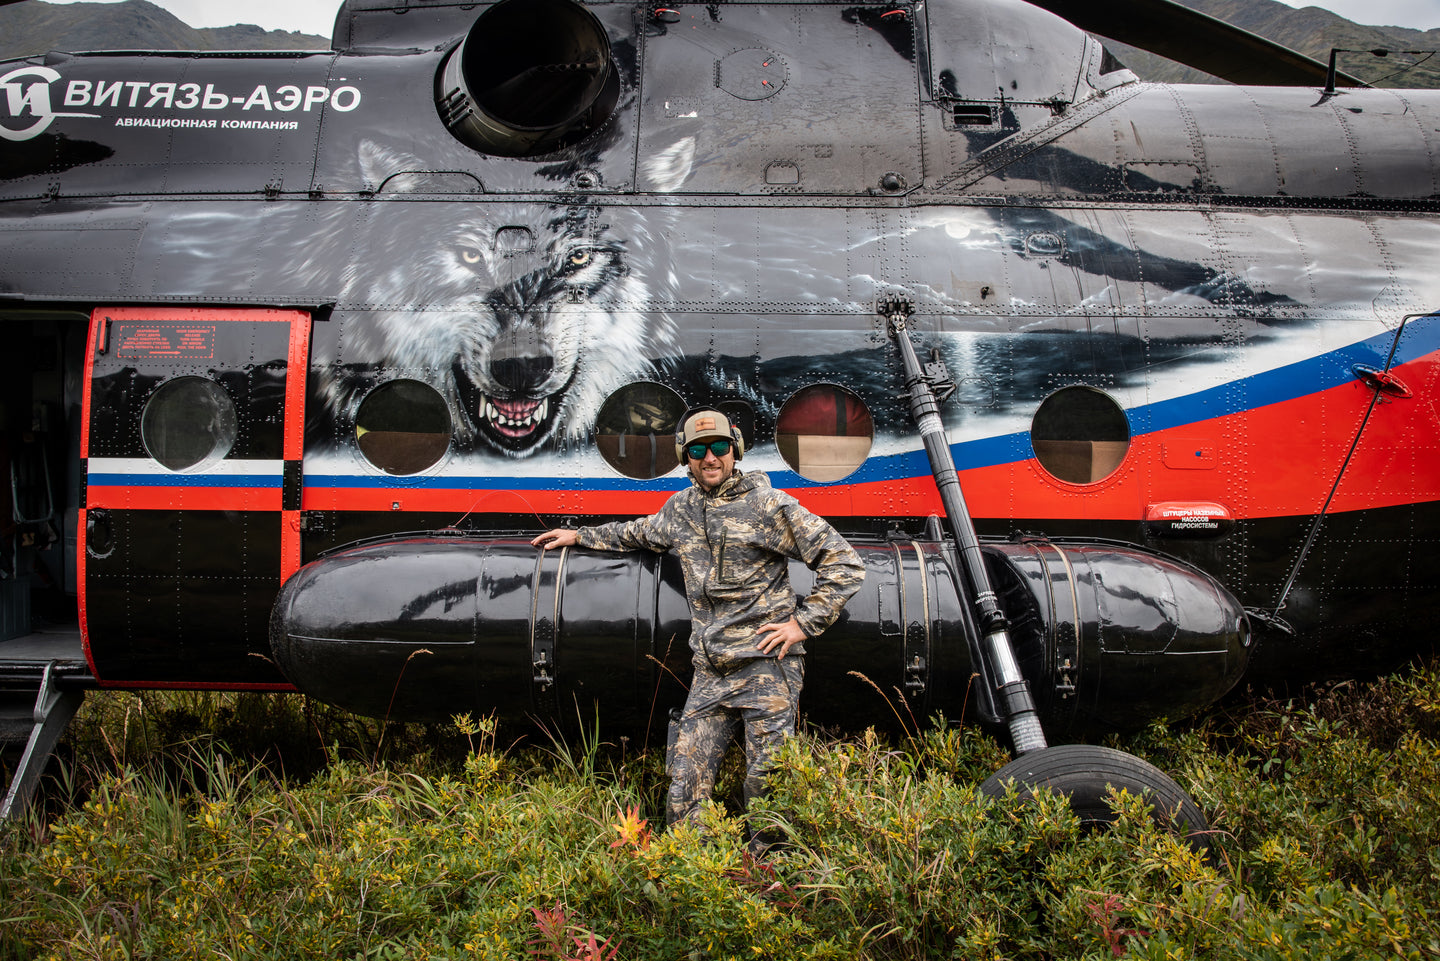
pixel 1064 635
pixel 915 615
pixel 544 629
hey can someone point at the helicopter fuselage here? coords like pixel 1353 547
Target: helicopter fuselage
pixel 307 302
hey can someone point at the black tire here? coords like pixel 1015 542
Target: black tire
pixel 1084 773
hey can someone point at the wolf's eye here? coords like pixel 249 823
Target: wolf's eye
pixel 580 258
pixel 470 255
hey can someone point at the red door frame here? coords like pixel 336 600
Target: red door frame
pixel 293 428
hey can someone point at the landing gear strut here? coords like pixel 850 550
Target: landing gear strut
pixel 1080 771
pixel 997 667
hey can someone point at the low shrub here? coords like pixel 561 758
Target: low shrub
pixel 448 844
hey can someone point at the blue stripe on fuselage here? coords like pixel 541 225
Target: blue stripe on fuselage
pixel 1309 376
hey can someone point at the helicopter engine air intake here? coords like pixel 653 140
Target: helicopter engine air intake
pixel 530 77
pixel 1107 634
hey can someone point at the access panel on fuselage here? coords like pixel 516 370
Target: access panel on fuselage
pixel 192 436
pixel 749 98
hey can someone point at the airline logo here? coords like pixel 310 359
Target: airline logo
pixel 25 108
pixel 29 97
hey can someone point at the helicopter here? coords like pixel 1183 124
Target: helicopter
pixel 1124 391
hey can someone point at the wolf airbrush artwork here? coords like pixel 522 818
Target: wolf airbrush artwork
pixel 524 318
pixel 307 347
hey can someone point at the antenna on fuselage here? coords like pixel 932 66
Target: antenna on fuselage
pixel 1376 52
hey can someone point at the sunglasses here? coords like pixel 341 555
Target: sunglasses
pixel 696 451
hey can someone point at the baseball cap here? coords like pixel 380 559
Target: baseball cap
pixel 705 424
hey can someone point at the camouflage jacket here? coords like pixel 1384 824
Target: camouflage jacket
pixel 733 546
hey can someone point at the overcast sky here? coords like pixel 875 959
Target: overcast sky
pixel 318 16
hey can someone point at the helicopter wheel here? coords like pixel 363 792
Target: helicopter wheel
pixel 1084 773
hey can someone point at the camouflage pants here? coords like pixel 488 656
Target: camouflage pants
pixel 762 696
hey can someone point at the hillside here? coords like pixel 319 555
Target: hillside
pixel 38 27
pixel 1313 32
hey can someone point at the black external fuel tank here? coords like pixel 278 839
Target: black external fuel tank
pixel 426 627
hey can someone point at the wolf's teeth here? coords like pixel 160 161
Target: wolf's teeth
pixel 519 423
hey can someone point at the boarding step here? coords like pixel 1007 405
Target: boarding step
pixel 43 679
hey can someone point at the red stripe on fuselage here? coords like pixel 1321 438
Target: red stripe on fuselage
pixel 177 498
pixel 297 363
pixel 1278 460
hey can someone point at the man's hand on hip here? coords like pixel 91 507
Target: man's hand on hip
pixel 781 637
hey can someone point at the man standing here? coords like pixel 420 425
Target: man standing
pixel 733 533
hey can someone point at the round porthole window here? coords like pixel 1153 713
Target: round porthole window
pixel 403 426
pixel 635 429
pixel 189 423
pixel 824 432
pixel 1080 435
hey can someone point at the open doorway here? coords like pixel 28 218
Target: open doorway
pixel 41 380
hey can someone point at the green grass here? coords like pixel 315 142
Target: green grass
pixel 245 826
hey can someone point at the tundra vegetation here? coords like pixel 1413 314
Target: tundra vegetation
pixel 187 825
